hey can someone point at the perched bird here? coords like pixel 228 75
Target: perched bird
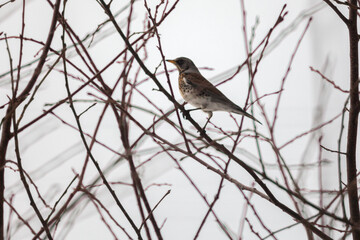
pixel 200 93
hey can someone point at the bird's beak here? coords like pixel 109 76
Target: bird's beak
pixel 171 61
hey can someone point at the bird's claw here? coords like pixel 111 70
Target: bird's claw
pixel 186 114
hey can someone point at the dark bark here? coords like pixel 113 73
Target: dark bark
pixel 14 103
pixel 353 121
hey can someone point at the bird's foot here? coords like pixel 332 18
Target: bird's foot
pixel 186 114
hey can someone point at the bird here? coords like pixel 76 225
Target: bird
pixel 200 93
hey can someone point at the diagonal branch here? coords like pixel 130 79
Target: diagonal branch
pixel 337 11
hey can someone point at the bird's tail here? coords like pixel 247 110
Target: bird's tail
pixel 242 112
pixel 252 117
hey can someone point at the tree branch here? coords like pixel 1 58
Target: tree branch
pixel 353 122
pixel 14 103
pixel 337 11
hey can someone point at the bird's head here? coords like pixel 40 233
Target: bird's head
pixel 184 64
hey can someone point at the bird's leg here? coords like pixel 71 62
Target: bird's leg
pixel 210 116
pixel 188 112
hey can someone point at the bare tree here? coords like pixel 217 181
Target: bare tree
pixel 144 132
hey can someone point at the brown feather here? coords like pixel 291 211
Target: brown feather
pixel 204 85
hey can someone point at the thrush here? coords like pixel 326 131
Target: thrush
pixel 199 92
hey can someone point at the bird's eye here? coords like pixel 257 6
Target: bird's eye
pixel 180 62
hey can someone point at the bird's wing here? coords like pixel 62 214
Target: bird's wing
pixel 198 81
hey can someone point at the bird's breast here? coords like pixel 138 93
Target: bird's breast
pixel 185 87
pixel 192 94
